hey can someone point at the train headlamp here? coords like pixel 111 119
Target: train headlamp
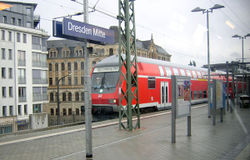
pixel 112 101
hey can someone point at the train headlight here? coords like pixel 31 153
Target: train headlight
pixel 112 101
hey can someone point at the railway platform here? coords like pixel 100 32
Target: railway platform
pixel 224 141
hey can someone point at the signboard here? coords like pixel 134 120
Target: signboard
pixel 182 96
pixel 82 30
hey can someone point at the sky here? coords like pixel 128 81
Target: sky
pixel 182 33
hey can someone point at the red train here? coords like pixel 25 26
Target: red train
pixel 154 82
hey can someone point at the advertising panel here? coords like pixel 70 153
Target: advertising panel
pixel 219 94
pixel 183 96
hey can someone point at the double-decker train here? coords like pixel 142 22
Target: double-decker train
pixel 154 83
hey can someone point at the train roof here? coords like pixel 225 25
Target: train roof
pixel 114 61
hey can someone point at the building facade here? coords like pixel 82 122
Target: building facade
pixel 23 63
pixel 66 58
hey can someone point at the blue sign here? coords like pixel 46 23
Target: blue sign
pixel 79 30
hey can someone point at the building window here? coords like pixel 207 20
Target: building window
pixel 62 66
pixel 82 96
pixel 19 110
pixel 151 82
pixel 75 66
pixel 3 91
pixel 22 94
pixel 50 81
pixel 51 97
pixel 76 96
pixel 10 54
pixel 3 53
pixel 19 21
pixel 82 80
pixel 69 66
pixel 18 37
pixel 13 20
pixel 10 73
pixel 77 111
pixel 111 51
pixel 11 110
pixel 3 34
pixel 36 43
pixel 10 36
pixel 24 38
pixel 64 112
pixel 28 24
pixel 28 11
pixel 50 67
pixel 25 109
pixel 64 97
pixel 70 96
pixel 63 81
pixel 4 19
pixel 70 111
pixel 21 76
pixel 4 111
pixel 56 80
pixel 52 111
pixel 10 91
pixel 37 108
pixel 21 58
pixel 3 72
pixel 82 66
pixel 56 67
pixel 76 81
pixel 69 81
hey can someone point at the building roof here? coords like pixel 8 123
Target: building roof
pixel 63 42
pixel 16 2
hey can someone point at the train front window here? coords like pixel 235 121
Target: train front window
pixel 104 82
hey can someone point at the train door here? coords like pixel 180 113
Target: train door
pixel 164 94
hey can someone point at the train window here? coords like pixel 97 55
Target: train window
pixel 151 82
pixel 161 71
pixel 195 95
pixel 200 94
pixel 194 74
pixel 168 71
pixel 205 94
pixel 188 73
pixel 199 74
pixel 182 72
pixel 176 71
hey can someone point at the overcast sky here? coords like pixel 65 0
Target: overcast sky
pixel 179 31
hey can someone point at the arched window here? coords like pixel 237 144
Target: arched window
pixel 77 96
pixel 70 96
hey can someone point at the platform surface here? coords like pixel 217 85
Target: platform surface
pixel 224 141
